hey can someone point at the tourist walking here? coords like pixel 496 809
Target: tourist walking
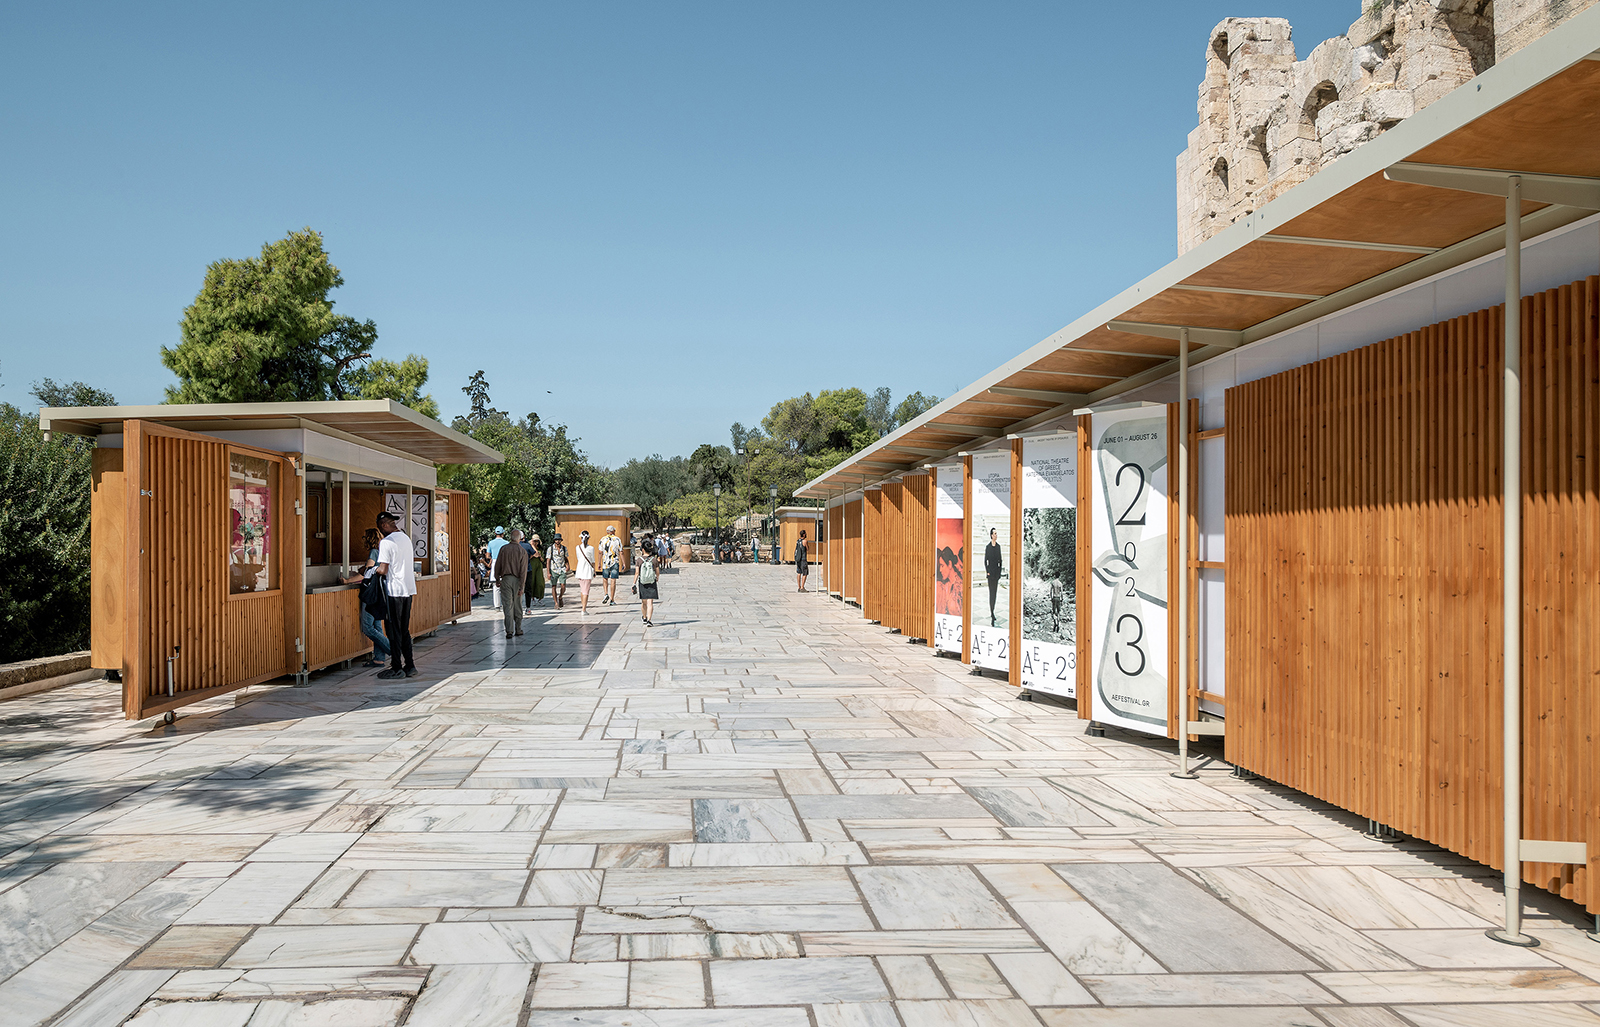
pixel 610 564
pixel 511 574
pixel 535 569
pixel 646 574
pixel 400 582
pixel 585 569
pixel 372 619
pixel 802 567
pixel 493 548
pixel 664 550
pixel 556 559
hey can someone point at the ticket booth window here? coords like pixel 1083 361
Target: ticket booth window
pixel 252 550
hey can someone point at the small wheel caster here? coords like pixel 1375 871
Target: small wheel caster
pixel 169 717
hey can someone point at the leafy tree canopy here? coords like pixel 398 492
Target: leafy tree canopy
pixel 402 381
pixel 51 393
pixel 263 329
pixel 653 484
pixel 44 528
pixel 543 468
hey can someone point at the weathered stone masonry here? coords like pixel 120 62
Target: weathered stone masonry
pixel 1268 121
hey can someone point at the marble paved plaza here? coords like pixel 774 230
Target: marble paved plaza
pixel 762 812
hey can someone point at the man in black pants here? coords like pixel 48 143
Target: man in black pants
pixel 992 566
pixel 394 563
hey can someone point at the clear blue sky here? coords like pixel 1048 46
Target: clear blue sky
pixel 645 220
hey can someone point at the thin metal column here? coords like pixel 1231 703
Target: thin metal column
pixel 1511 500
pixel 1183 556
pixel 344 478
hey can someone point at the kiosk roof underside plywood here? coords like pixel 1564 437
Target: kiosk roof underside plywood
pixel 1347 235
pixel 381 423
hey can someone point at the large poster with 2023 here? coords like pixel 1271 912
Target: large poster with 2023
pixel 1128 487
pixel 949 557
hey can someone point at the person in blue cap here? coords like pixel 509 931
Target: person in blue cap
pixel 494 547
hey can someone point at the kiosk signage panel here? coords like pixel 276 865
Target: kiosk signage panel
pixel 1128 486
pixel 990 545
pixel 1049 655
pixel 949 557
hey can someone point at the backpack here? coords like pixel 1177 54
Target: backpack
pixel 375 596
pixel 647 571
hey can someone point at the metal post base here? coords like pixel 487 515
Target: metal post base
pixel 1026 696
pixel 1184 775
pixel 893 631
pixel 1096 731
pixel 977 672
pixel 1520 940
pixel 1383 833
pixel 1594 935
pixel 1242 774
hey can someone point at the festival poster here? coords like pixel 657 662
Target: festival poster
pixel 949 557
pixel 989 541
pixel 1128 486
pixel 1049 655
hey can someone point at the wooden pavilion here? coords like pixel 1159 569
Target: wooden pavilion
pixel 1377 525
pixel 221 533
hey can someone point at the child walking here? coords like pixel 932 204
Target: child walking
pixel 646 575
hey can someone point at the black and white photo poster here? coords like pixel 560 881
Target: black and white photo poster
pixel 990 549
pixel 1050 565
pixel 1128 486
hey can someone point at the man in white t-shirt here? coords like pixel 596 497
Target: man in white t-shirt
pixel 584 558
pixel 394 563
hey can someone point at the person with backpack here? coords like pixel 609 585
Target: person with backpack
pixel 802 569
pixel 396 564
pixel 371 601
pixel 610 564
pixel 646 578
pixel 556 559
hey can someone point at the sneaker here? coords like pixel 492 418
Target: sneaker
pixel 390 675
pixel 411 672
pixel 508 634
pixel 519 632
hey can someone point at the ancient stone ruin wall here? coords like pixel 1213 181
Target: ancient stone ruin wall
pixel 1269 121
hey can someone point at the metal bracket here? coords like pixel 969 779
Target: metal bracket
pixel 1219 337
pixel 1206 727
pixel 1564 190
pixel 1532 851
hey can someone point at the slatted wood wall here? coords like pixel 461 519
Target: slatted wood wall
pixel 176 561
pixel 893 568
pixel 918 556
pixel 873 541
pixel 1363 588
pixel 851 583
pixel 834 569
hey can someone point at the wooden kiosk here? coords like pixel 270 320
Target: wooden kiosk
pixel 792 520
pixel 221 532
pixel 570 520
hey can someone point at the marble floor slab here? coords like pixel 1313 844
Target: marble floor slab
pixel 762 812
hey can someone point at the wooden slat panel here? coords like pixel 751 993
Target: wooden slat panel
pixel 108 534
pixel 1363 586
pixel 919 556
pixel 872 545
pixel 834 570
pixel 333 628
pixel 853 554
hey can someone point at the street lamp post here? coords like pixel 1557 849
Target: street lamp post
pixel 772 522
pixel 716 533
